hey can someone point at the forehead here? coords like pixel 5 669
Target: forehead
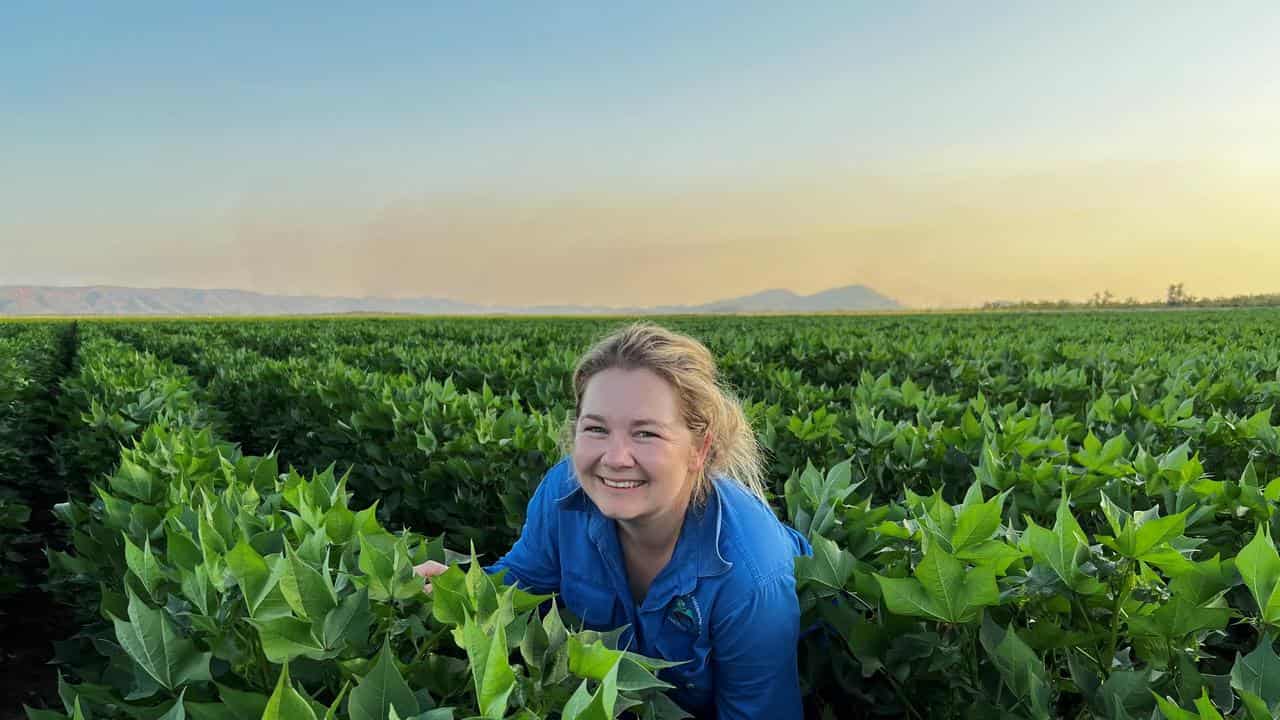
pixel 628 395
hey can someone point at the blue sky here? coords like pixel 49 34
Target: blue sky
pixel 151 122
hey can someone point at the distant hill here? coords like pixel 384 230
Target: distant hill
pixel 850 297
pixel 108 300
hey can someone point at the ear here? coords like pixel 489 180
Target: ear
pixel 702 451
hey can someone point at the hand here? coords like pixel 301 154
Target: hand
pixel 429 569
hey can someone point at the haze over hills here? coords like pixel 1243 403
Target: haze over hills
pixel 110 300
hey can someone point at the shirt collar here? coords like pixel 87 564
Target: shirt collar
pixel 698 552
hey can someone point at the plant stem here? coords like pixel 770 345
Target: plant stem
pixel 971 638
pixel 1084 612
pixel 1122 594
pixel 428 643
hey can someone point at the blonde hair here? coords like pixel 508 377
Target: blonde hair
pixel 707 405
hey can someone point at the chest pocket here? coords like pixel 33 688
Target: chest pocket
pixel 596 606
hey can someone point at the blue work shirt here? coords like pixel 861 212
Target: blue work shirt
pixel 726 601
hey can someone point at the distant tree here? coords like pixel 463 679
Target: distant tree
pixel 1176 296
pixel 1101 299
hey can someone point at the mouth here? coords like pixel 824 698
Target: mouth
pixel 620 484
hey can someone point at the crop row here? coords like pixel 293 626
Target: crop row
pixel 29 362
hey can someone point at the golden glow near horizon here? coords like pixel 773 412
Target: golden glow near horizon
pixel 927 242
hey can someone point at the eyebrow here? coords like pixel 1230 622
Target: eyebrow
pixel 634 423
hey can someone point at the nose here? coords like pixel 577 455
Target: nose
pixel 617 452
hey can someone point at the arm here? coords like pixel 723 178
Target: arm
pixel 754 656
pixel 533 563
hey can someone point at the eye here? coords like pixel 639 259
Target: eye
pixel 593 429
pixel 646 432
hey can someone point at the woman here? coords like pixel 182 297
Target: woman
pixel 657 520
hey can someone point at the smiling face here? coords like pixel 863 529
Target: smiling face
pixel 633 453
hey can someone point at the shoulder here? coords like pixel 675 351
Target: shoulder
pixel 556 492
pixel 759 546
pixel 559 480
pixel 557 484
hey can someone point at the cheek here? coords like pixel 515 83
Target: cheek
pixel 582 452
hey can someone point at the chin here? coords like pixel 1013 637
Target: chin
pixel 618 508
pixel 618 514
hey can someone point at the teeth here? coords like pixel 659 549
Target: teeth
pixel 620 485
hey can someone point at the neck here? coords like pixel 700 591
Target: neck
pixel 656 534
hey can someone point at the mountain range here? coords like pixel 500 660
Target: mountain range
pixel 110 300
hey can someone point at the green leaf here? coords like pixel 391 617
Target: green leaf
pixel 339 523
pixel 377 562
pixel 634 677
pixel 1255 708
pixel 1206 708
pixel 970 426
pixel 1059 549
pixel 331 713
pixel 180 547
pixel 1154 533
pixel 942 589
pixel 1170 709
pixel 1021 669
pixel 592 660
pixel 154 644
pixel 144 565
pixel 828 495
pixel 212 544
pixel 577 703
pixel 1259 566
pixel 288 704
pixel 958 593
pixel 382 689
pixel 1180 617
pixel 599 706
pixel 1259 672
pixel 196 587
pixel 829 565
pixel 134 481
pixel 177 712
pixel 348 622
pixel 1125 694
pixel 245 705
pixel 533 649
pixel 451 604
pixel 996 554
pixel 258 582
pixel 307 590
pixel 286 638
pixel 977 521
pixel 490 669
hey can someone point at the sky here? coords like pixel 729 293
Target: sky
pixel 643 153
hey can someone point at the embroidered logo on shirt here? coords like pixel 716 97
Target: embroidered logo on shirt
pixel 685 613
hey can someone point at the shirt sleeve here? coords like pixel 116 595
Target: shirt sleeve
pixel 533 563
pixel 754 655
